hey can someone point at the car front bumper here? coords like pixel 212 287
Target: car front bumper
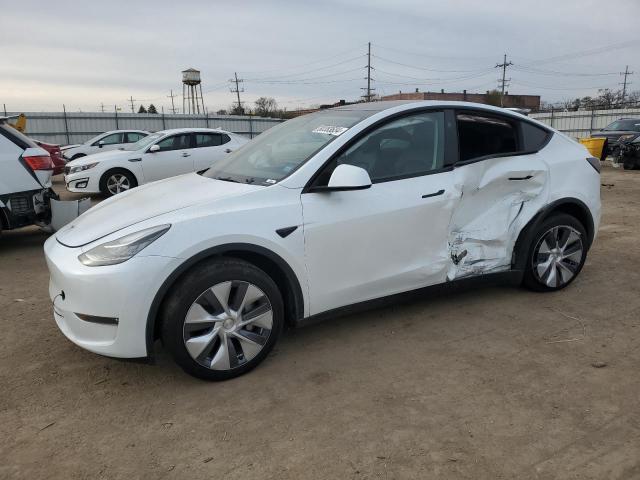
pixel 104 309
pixel 82 182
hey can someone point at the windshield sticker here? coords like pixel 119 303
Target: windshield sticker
pixel 330 130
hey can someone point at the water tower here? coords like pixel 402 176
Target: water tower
pixel 192 101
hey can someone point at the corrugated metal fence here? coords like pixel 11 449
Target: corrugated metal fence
pixel 72 127
pixel 69 128
pixel 583 122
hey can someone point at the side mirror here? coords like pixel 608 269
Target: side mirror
pixel 101 144
pixel 154 148
pixel 348 177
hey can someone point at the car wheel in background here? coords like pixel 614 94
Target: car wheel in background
pixel 630 163
pixel 557 254
pixel 78 155
pixel 222 319
pixel 117 181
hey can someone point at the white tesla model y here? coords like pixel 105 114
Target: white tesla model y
pixel 326 212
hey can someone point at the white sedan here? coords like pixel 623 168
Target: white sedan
pixel 325 213
pixel 160 155
pixel 112 140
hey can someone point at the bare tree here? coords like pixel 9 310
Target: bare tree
pixel 266 106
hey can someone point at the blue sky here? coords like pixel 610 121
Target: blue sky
pixel 303 53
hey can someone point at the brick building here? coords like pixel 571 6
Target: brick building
pixel 531 102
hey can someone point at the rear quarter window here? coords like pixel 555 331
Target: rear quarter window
pixel 533 137
pixel 16 137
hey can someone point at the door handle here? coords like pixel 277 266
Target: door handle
pixel 521 178
pixel 185 154
pixel 228 150
pixel 439 192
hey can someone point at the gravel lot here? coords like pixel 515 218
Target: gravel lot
pixel 492 383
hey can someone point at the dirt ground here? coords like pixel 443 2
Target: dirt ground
pixel 485 384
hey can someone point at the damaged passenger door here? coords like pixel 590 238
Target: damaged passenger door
pixel 390 237
pixel 502 182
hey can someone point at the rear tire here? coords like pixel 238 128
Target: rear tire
pixel 117 181
pixel 629 163
pixel 222 319
pixel 556 255
pixel 78 155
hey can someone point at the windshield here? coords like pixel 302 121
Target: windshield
pixel 632 125
pixel 282 149
pixel 144 142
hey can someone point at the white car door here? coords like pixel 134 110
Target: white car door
pixel 391 237
pixel 175 157
pixel 210 147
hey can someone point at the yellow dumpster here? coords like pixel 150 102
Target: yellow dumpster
pixel 595 146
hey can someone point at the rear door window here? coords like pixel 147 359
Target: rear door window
pixel 208 140
pixel 481 135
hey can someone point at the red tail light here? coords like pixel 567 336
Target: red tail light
pixel 39 162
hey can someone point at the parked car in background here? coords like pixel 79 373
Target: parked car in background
pixel 112 140
pixel 160 155
pixel 25 180
pixel 622 130
pixel 56 156
pixel 322 213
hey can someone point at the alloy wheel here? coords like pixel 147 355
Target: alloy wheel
pixel 228 325
pixel 117 183
pixel 557 256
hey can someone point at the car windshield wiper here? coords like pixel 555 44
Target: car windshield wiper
pixel 227 179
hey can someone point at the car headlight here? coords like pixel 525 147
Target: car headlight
pixel 123 248
pixel 627 137
pixel 82 168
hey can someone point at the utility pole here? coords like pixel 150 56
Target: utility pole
pixel 368 78
pixel 237 91
pixel 132 106
pixel 102 107
pixel 173 107
pixel 503 82
pixel 624 84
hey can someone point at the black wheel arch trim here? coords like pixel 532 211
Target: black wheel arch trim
pixel 221 250
pixel 525 237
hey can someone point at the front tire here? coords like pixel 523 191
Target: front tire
pixel 222 319
pixel 117 181
pixel 557 254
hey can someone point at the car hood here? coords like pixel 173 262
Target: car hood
pixel 67 147
pixel 145 202
pixel 102 156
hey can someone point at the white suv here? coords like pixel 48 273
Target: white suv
pixel 160 155
pixel 112 140
pixel 330 211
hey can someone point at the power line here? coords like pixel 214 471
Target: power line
pixel 503 82
pixel 624 84
pixel 306 72
pixel 585 53
pixel 424 68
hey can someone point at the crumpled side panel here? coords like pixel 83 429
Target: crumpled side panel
pixel 498 198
